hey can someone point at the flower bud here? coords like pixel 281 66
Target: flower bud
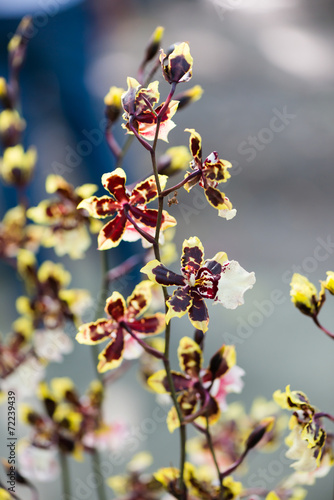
pixel 154 44
pixel 16 166
pixel 304 295
pixel 177 64
pixel 17 44
pixel 11 126
pixel 329 283
pixel 257 434
pixel 3 88
pixel 113 103
pixel 189 96
pixel 174 160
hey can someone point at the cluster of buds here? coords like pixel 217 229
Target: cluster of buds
pixel 16 164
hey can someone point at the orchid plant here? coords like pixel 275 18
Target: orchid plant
pixel 63 424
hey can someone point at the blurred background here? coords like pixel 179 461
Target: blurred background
pixel 268 77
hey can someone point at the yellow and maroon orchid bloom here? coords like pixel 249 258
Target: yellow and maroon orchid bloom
pixel 208 175
pixel 140 112
pixel 307 438
pixel 127 209
pixel 177 64
pixel 50 303
pixel 125 317
pixel 198 395
pixel 219 279
pixel 64 227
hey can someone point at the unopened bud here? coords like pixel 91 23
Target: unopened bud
pixel 177 64
pixel 113 103
pixel 189 96
pixel 16 166
pixel 154 44
pixel 174 160
pixel 257 434
pixel 11 126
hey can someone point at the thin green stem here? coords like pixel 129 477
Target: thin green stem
pixel 96 466
pixel 65 476
pixel 100 307
pixel 214 458
pixel 96 463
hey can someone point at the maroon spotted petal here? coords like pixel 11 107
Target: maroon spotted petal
pixel 112 355
pixel 111 234
pixel 115 184
pixel 115 306
pixel 179 302
pixel 192 256
pixel 144 192
pixel 198 312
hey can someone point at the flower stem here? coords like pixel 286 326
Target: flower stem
pixel 183 437
pixel 125 148
pixel 143 233
pixel 100 306
pixel 96 462
pixel 112 143
pixel 65 477
pixel 140 139
pixel 180 184
pixel 149 349
pixel 126 266
pixel 325 415
pixel 96 466
pixel 327 332
pixel 234 466
pixel 214 458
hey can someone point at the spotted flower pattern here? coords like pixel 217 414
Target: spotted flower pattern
pixel 126 207
pixel 307 437
pixel 219 279
pixel 123 316
pixel 50 303
pixel 64 227
pixel 140 111
pixel 208 175
pixel 196 386
pixel 177 64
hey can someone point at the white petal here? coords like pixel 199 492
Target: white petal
pixel 233 283
pixel 227 214
pixel 52 344
pixel 39 464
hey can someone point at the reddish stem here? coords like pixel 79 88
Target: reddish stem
pixel 325 415
pixel 180 184
pixel 140 139
pixel 149 349
pixel 327 332
pixel 236 464
pixel 112 143
pixel 143 233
